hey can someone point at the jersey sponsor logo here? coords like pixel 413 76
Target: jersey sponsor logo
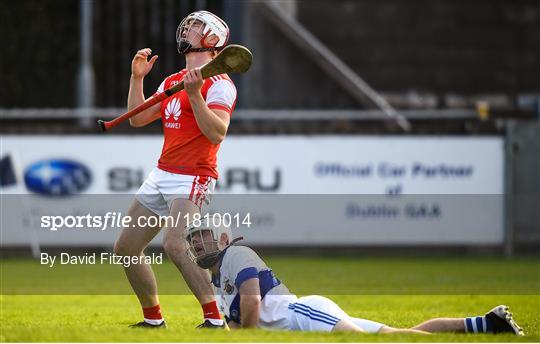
pixel 173 109
pixel 172 125
pixel 57 177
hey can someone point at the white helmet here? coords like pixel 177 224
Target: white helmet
pixel 211 25
pixel 205 249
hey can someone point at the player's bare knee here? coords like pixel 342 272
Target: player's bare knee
pixel 346 325
pixel 174 246
pixel 121 248
pixel 387 329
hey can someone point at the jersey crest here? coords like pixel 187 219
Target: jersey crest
pixel 229 289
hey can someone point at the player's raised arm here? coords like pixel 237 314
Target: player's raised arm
pixel 140 67
pixel 250 302
pixel 212 123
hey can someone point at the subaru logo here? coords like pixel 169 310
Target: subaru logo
pixel 57 177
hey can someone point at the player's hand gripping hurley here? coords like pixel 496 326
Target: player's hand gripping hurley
pixel 232 59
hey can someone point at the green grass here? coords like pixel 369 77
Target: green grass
pixel 335 275
pixel 76 303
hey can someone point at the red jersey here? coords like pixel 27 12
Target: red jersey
pixel 185 148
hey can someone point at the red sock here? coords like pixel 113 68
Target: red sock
pixel 211 311
pixel 152 315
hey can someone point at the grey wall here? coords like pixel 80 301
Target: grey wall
pixel 523 183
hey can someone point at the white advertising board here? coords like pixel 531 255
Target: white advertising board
pixel 326 190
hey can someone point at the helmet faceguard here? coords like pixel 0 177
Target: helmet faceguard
pixel 206 243
pixel 203 27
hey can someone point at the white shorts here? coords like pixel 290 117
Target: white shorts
pixel 318 313
pixel 161 188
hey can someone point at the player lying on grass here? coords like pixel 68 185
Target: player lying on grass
pixel 250 295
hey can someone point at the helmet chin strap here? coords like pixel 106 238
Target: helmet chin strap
pixel 233 242
pixel 211 259
pixel 201 49
pixel 185 48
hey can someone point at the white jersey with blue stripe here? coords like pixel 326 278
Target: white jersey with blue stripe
pixel 238 264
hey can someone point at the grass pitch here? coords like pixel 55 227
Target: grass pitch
pixel 94 303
